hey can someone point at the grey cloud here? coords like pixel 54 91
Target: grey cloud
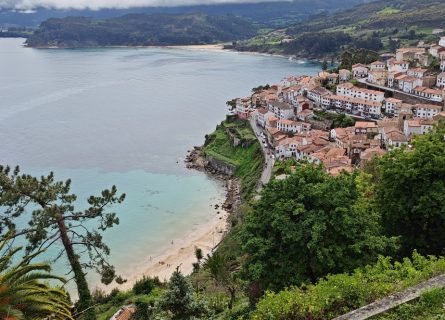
pixel 101 4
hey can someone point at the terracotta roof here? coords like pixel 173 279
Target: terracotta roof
pixel 365 124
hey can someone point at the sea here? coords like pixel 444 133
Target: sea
pixel 126 117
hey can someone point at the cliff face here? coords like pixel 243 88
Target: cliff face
pixel 220 166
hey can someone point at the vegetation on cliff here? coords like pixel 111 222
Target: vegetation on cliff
pixel 376 26
pixel 140 30
pixel 234 142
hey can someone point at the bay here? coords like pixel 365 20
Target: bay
pixel 126 116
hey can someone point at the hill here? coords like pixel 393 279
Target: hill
pixel 140 30
pixel 379 25
pixel 270 14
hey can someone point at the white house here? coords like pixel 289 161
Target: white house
pixel 243 107
pixel 359 71
pixel 431 94
pixel 441 80
pixel 417 126
pixel 398 66
pixel 407 83
pixel 377 65
pixel 434 50
pixel 262 116
pixel 442 41
pixel 281 110
pixel 427 110
pixel 442 65
pixel 392 105
pixel 349 90
pixel 395 139
pixel 316 94
pixel 417 72
pixel 289 126
pixel 344 75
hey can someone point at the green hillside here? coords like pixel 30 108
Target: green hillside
pixel 140 30
pixel 378 26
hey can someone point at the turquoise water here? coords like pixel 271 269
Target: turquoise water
pixel 126 116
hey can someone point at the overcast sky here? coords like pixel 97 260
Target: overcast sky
pixel 100 4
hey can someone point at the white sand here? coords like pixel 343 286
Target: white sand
pixel 182 252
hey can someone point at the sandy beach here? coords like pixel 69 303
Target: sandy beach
pixel 199 47
pixel 181 252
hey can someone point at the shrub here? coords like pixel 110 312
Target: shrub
pixel 145 285
pixel 341 293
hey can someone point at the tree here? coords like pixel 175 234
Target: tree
pixel 25 293
pixel 324 65
pixel 410 193
pixel 222 271
pixel 54 218
pixel 199 256
pixel 307 226
pixel 180 301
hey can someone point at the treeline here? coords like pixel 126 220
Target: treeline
pixel 141 30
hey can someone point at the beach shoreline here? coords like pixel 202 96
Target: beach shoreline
pixel 180 253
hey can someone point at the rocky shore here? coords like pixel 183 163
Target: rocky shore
pixel 196 160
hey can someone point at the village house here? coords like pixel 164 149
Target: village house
pixel 290 94
pixel 441 80
pixel 366 128
pixel 344 75
pixel 442 65
pixel 305 115
pixel 349 90
pixel 417 72
pixel 377 66
pixel 391 82
pixel 408 53
pixel 355 106
pixel 392 105
pixel 243 107
pixel 378 77
pixel 431 94
pixel 316 94
pixel 395 139
pixel 406 83
pixel 359 71
pixel 290 126
pixel 262 116
pixel 427 110
pixel 370 153
pixel 417 126
pixel 398 66
pixel 423 59
pixel 442 41
pixel 281 110
pixel 434 50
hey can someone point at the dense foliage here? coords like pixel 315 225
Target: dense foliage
pixel 25 293
pixel 180 301
pixel 341 293
pixel 140 30
pixel 309 225
pixel 410 193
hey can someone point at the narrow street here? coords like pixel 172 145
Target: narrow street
pixel 269 161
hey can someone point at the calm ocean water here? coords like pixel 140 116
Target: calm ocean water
pixel 126 117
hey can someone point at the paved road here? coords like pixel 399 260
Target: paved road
pixel 269 162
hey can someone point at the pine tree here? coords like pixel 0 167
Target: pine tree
pixel 55 219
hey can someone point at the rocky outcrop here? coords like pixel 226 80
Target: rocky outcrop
pixel 220 166
pixel 196 160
